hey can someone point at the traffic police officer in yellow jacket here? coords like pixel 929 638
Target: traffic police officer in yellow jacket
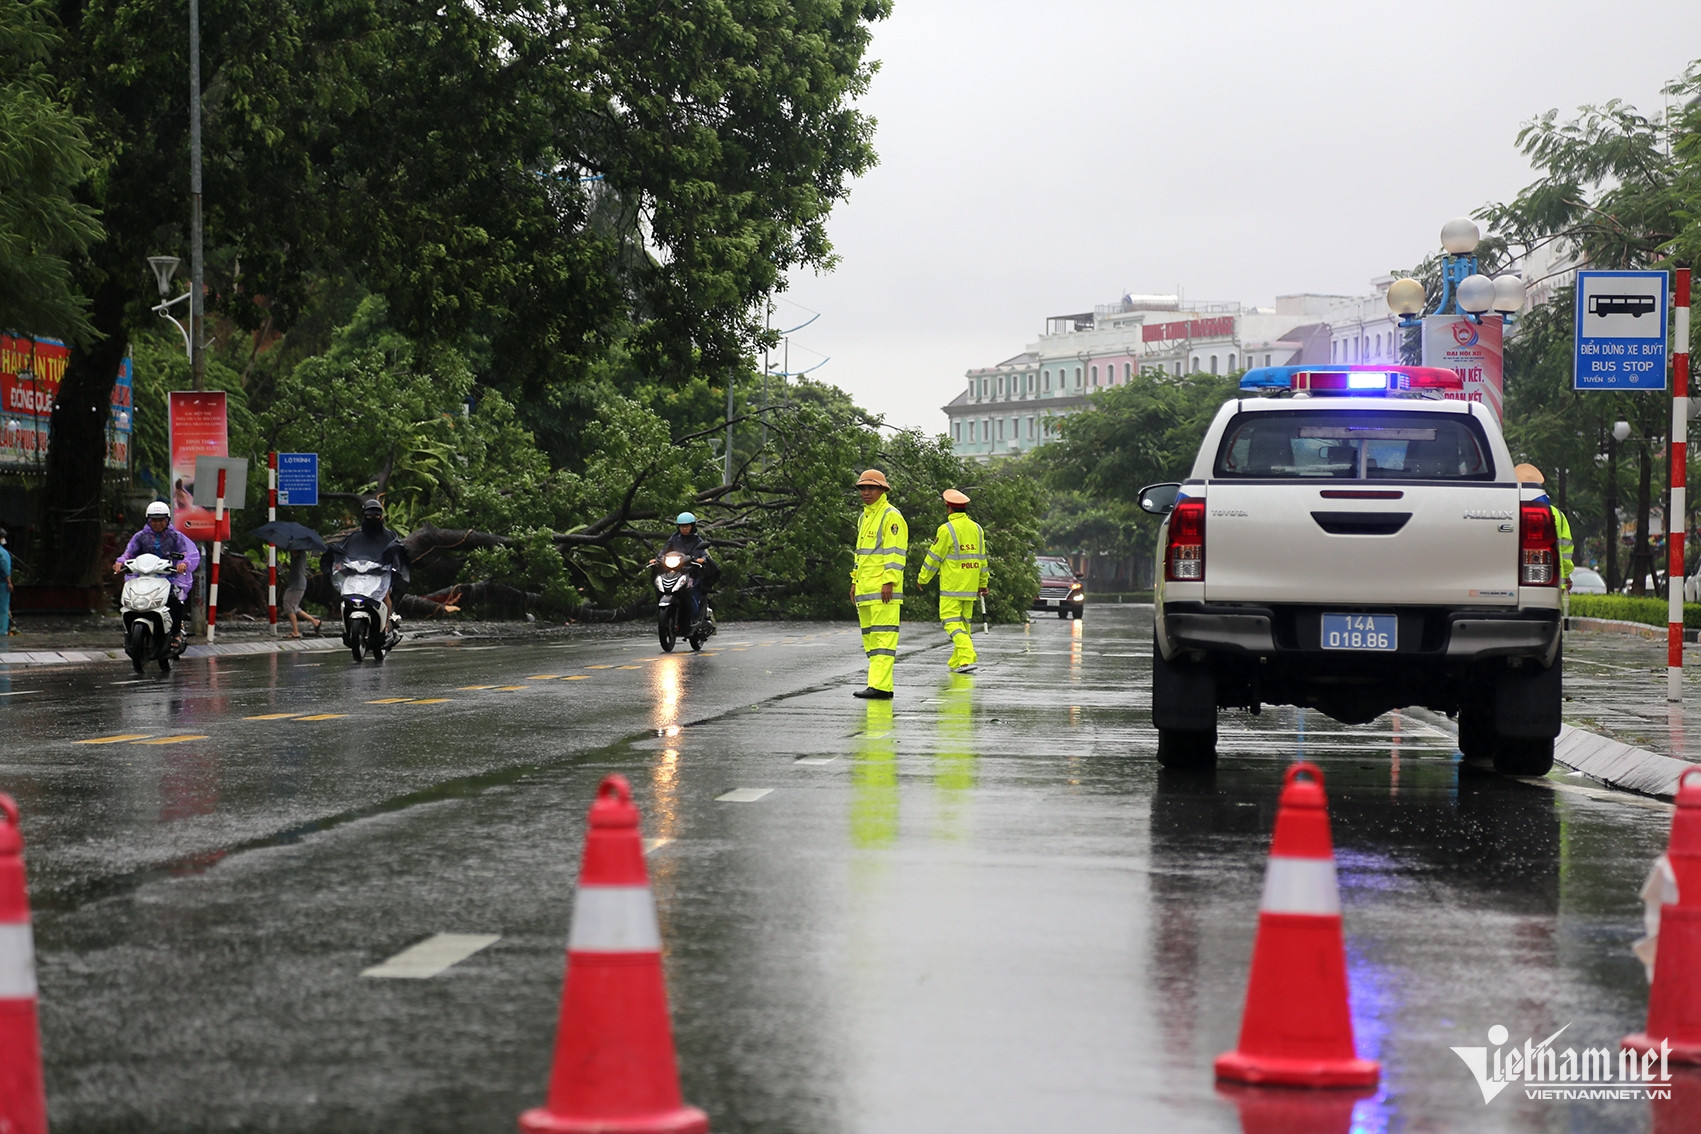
pixel 1530 474
pixel 877 580
pixel 958 557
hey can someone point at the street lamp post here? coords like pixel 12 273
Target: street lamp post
pixel 163 267
pixel 1464 290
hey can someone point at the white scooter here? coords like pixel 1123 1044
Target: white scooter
pixel 145 603
pixel 367 628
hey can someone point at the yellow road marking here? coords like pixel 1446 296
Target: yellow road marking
pixel 599 667
pixel 467 688
pixel 389 701
pixel 510 688
pixel 119 739
pixel 577 677
pixel 628 667
pixel 272 717
pixel 543 677
pixel 429 701
pixel 323 717
pixel 172 739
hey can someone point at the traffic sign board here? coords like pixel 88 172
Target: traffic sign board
pixel 1621 331
pixel 298 479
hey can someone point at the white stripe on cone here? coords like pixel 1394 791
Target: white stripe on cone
pixel 614 919
pixel 17 962
pixel 1301 886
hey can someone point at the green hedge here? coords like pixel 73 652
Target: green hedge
pixel 1628 608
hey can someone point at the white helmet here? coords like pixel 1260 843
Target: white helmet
pixel 159 508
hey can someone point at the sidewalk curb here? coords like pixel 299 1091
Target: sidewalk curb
pixel 73 657
pixel 1623 626
pixel 1617 764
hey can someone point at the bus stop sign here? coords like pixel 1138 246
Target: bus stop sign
pixel 1621 331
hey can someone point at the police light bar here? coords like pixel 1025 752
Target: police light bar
pixel 1363 381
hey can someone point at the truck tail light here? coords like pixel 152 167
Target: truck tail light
pixel 1184 556
pixel 1538 548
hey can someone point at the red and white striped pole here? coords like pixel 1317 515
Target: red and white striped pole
pixel 1676 523
pixel 213 574
pixel 272 548
pixel 23 1103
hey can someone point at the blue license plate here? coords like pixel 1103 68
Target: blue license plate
pixel 1374 632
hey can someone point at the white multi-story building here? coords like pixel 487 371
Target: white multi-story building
pixel 1013 407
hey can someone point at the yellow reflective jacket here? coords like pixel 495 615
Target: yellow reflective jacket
pixel 882 545
pixel 1562 530
pixel 958 557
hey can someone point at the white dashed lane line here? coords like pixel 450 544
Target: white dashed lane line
pixel 814 759
pixel 431 956
pixel 743 795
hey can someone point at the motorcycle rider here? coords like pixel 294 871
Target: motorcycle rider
pixel 158 537
pixel 379 543
pixel 691 544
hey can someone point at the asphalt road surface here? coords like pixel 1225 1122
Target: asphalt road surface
pixel 979 907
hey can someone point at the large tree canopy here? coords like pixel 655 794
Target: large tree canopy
pixel 546 178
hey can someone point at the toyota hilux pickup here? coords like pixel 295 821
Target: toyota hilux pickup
pixel 1350 540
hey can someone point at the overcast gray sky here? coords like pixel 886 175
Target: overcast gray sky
pixel 1042 157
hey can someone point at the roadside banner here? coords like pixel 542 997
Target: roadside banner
pixel 1474 351
pixel 198 429
pixel 30 372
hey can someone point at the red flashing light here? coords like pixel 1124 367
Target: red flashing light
pixel 1184 556
pixel 1538 547
pixel 1377 381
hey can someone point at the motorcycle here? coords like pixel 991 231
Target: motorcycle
pixel 363 583
pixel 146 606
pixel 675 580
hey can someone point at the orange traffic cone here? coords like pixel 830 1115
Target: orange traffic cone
pixel 1297 1030
pixel 23 1102
pixel 1277 1110
pixel 1674 1000
pixel 615 1071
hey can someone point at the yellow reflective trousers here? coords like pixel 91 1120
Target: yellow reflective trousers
pixel 957 614
pixel 882 545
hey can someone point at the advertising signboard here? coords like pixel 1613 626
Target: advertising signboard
pixel 1621 331
pixel 198 429
pixel 1474 351
pixel 30 372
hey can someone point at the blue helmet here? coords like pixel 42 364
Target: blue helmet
pixel 685 518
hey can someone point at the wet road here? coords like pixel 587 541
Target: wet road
pixel 979 907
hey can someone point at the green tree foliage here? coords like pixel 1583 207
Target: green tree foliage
pixel 43 155
pixel 545 179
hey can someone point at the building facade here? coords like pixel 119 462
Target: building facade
pixel 1014 406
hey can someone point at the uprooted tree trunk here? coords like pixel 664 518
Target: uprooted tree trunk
pixel 495 598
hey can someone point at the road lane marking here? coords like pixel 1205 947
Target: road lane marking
pixel 599 667
pixel 743 795
pixel 509 688
pixel 390 701
pixel 475 688
pixel 628 667
pixel 655 844
pixel 577 677
pixel 174 739
pixel 814 759
pixel 119 739
pixel 323 717
pixel 430 701
pixel 272 717
pixel 543 677
pixel 132 681
pixel 429 957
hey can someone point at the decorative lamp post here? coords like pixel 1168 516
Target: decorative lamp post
pixel 1464 290
pixel 163 267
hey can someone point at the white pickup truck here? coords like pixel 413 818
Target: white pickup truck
pixel 1354 546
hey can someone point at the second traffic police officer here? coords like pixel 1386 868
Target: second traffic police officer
pixel 877 581
pixel 1530 474
pixel 958 556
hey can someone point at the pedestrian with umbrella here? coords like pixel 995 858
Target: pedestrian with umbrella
pixel 298 540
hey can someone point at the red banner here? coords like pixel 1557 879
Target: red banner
pixel 1220 327
pixel 198 429
pixel 30 373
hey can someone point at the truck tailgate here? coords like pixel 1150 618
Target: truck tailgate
pixel 1454 545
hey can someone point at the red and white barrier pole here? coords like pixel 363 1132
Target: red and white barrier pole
pixel 272 548
pixel 213 574
pixel 1676 523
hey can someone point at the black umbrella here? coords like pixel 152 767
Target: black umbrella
pixel 290 536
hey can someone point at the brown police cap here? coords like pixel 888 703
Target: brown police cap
pixel 874 477
pixel 952 496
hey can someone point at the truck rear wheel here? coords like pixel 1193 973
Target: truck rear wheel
pixel 1523 756
pixel 1193 751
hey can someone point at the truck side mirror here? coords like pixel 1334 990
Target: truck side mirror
pixel 1158 499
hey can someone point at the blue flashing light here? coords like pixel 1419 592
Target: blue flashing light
pixel 1277 377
